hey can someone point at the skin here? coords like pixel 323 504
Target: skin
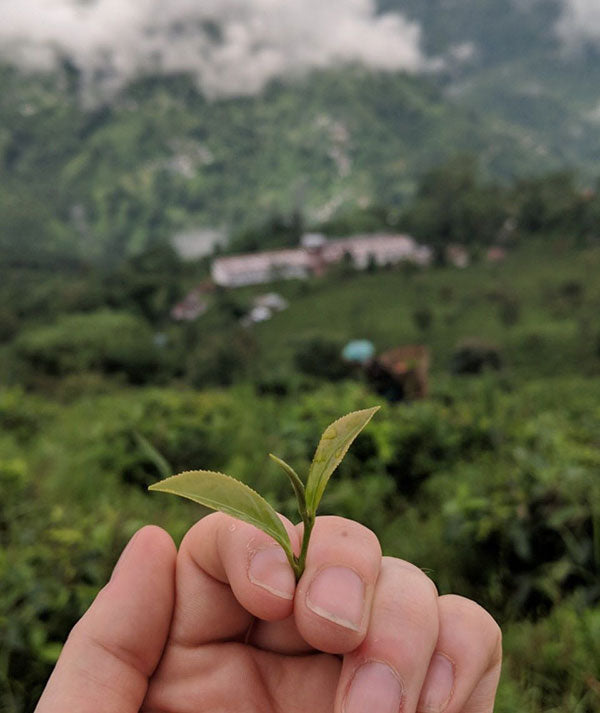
pixel 221 626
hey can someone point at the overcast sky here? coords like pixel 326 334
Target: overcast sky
pixel 580 21
pixel 256 40
pixel 231 46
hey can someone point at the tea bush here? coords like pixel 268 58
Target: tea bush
pixel 492 490
pixel 555 661
pixel 490 485
pixel 106 341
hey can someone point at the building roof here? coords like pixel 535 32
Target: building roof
pixel 315 255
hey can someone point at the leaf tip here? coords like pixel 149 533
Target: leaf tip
pixel 369 412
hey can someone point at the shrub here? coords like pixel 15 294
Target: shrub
pixel 556 660
pixel 572 291
pixel 524 519
pixel 565 299
pixel 220 360
pixel 473 356
pixel 509 311
pixel 52 563
pixel 423 318
pixel 21 417
pixel 106 341
pixel 9 323
pixel 321 358
pixel 549 349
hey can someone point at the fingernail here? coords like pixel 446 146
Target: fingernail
pixel 438 685
pixel 270 569
pixel 338 594
pixel 375 687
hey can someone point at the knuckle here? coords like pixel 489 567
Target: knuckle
pixel 332 533
pixel 348 529
pixel 422 581
pixel 208 522
pixel 491 633
pixel 411 592
pixel 496 632
pixel 473 617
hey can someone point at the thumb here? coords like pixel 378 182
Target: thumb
pixel 113 650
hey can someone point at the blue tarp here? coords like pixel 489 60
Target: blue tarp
pixel 358 350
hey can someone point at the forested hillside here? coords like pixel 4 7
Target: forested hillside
pixel 513 83
pixel 529 67
pixel 112 180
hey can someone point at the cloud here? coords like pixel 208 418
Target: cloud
pixel 579 22
pixel 231 46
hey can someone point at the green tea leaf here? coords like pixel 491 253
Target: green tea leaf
pixel 333 446
pixel 231 496
pixel 295 480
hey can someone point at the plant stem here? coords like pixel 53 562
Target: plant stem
pixel 309 521
pixel 297 483
pixel 294 564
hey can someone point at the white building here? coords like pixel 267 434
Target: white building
pixel 257 268
pixel 315 255
pixel 379 249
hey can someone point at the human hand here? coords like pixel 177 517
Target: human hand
pixel 222 626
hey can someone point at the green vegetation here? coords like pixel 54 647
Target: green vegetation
pixel 104 341
pixel 515 70
pixel 92 186
pixel 490 484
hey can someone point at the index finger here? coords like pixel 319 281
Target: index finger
pixel 228 573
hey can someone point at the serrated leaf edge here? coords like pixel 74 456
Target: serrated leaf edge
pixel 312 493
pixel 281 537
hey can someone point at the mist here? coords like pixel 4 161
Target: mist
pixel 579 22
pixel 232 47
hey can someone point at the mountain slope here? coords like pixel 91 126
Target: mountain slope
pixel 522 65
pixel 161 157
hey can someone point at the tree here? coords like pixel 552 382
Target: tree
pixel 452 205
pixel 148 283
pixel 549 204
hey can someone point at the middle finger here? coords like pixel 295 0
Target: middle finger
pixel 333 598
pixel 386 672
pixel 332 602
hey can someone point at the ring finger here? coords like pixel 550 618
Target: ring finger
pixel 422 652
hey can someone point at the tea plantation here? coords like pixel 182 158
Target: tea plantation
pixel 491 484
